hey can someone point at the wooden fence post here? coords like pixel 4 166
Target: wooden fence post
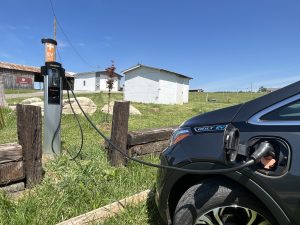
pixel 3 102
pixel 2 124
pixel 119 132
pixel 29 122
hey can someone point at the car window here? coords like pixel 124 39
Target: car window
pixel 284 113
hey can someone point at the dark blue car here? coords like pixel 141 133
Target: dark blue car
pixel 267 192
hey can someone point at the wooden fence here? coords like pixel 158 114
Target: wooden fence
pixel 21 164
pixel 136 143
pixel 151 141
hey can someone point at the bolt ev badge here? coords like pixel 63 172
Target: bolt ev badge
pixel 213 128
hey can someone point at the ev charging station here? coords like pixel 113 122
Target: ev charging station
pixel 53 76
pixel 52 72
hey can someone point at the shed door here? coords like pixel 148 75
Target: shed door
pixel 97 82
pixel 179 90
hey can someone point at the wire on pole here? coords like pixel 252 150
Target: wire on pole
pixel 68 39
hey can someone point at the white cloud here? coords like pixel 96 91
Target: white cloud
pixel 25 27
pixel 80 44
pixel 10 27
pixel 107 37
pixel 13 27
pixel 5 55
pixel 61 44
pixel 103 45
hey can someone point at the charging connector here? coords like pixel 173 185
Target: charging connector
pixel 264 149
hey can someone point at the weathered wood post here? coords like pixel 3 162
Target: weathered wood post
pixel 3 102
pixel 2 124
pixel 29 122
pixel 119 132
pixel 11 164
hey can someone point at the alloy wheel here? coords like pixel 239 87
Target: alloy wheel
pixel 232 215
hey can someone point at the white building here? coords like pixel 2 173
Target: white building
pixel 153 85
pixel 95 81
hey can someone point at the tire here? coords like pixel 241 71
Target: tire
pixel 218 201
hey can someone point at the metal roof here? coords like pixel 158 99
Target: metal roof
pixel 101 72
pixel 13 66
pixel 168 71
pixel 33 69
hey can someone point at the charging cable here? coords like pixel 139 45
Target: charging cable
pixel 263 150
pixel 59 127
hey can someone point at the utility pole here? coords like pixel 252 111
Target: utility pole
pixel 54 28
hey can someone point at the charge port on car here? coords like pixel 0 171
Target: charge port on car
pixel 277 162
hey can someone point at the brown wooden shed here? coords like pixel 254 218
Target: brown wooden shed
pixel 16 76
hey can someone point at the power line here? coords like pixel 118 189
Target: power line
pixel 59 56
pixel 68 39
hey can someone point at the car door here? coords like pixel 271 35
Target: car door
pixel 280 125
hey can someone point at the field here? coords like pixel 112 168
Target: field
pixel 71 188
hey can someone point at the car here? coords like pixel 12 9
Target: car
pixel 267 192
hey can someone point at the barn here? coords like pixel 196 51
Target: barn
pixel 95 81
pixel 147 84
pixel 16 76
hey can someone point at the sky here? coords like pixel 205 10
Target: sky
pixel 225 45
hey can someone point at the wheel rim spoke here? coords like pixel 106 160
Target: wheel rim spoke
pixel 217 217
pixel 231 215
pixel 252 214
pixel 204 220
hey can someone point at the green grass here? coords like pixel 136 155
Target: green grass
pixel 69 189
pixel 144 213
pixel 20 91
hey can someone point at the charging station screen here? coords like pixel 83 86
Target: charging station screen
pixel 53 86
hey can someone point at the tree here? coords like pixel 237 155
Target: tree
pixel 2 96
pixel 110 84
pixel 262 89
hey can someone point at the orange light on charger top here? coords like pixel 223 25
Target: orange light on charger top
pixel 180 137
pixel 50 52
pixel 50 49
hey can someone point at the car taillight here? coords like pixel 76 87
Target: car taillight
pixel 179 134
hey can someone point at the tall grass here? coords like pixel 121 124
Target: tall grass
pixel 71 188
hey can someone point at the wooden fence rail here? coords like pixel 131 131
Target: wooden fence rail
pixel 11 163
pixel 23 162
pixel 148 141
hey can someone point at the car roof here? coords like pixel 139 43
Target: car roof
pixel 252 107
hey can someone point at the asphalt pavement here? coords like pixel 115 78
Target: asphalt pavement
pixel 24 95
pixel 40 94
